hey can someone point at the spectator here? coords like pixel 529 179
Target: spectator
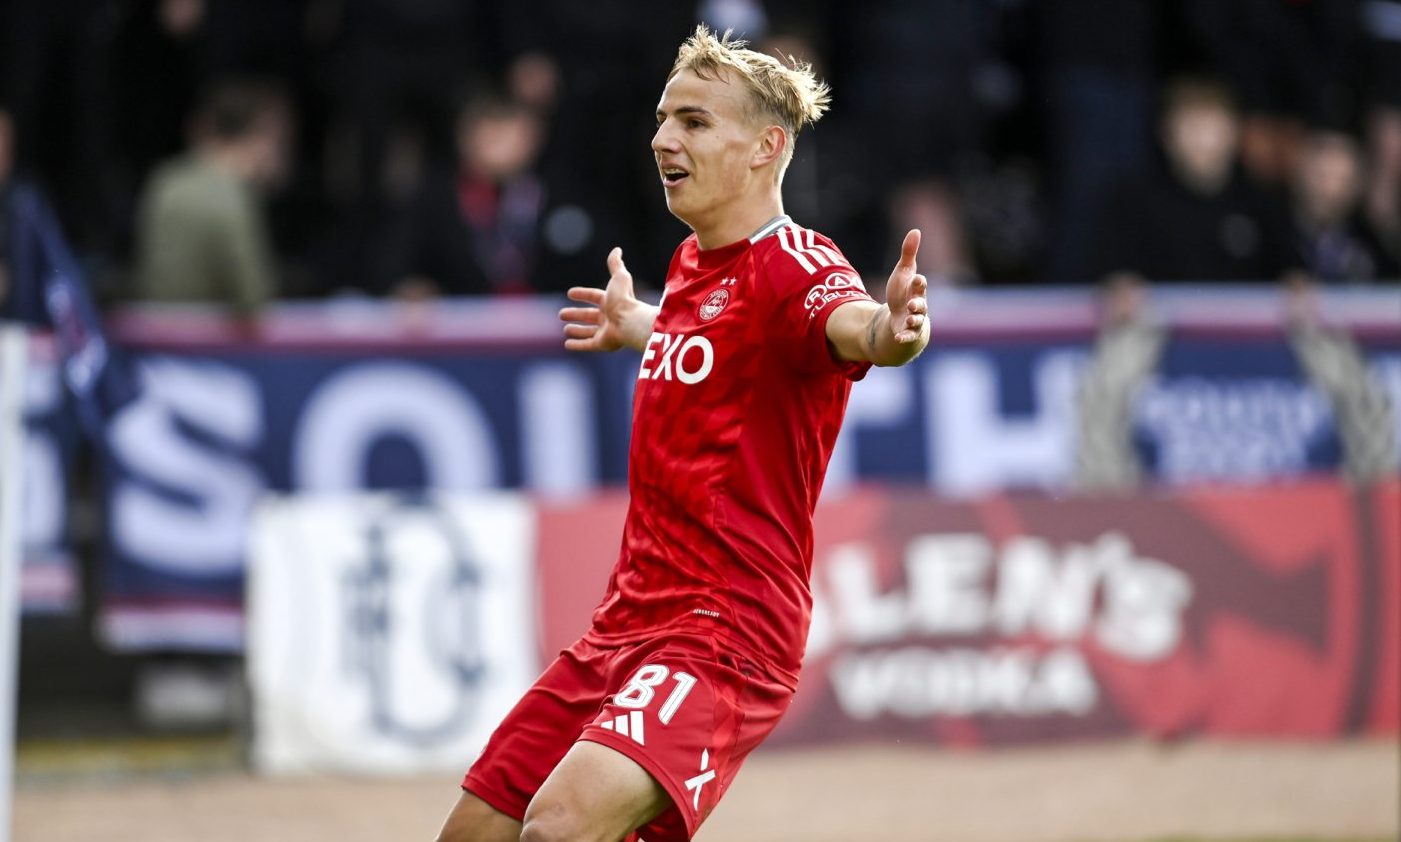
pixel 1333 241
pixel 1383 193
pixel 474 230
pixel 202 234
pixel 397 65
pixel 162 54
pixel 1292 62
pixel 595 159
pixel 383 89
pixel 1199 220
pixel 926 62
pixel 944 254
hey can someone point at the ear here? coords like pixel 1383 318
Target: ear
pixel 772 141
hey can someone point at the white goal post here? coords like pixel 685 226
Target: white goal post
pixel 13 350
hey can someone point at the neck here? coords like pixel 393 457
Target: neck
pixel 737 221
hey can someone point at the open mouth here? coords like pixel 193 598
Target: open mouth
pixel 672 176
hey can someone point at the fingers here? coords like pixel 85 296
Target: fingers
pixel 585 327
pixel 586 315
pixel 916 312
pixel 615 262
pixel 919 289
pixel 914 326
pixel 587 295
pixel 908 250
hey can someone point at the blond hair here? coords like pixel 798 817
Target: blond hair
pixel 784 90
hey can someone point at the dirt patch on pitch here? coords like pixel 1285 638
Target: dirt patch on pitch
pixel 1121 792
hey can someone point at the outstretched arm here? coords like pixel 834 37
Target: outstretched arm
pixel 886 334
pixel 614 318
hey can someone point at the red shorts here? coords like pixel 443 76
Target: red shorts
pixel 680 706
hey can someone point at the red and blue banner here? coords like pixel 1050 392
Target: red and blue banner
pixel 1269 611
pixel 467 396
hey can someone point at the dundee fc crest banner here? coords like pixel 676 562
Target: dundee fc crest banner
pixel 387 633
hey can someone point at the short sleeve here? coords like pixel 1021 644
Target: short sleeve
pixel 806 305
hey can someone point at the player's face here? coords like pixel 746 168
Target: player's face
pixel 704 146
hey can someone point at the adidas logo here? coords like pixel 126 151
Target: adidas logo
pixel 629 725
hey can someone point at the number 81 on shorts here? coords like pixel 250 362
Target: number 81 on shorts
pixel 642 688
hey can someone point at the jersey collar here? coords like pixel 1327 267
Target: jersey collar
pixel 770 227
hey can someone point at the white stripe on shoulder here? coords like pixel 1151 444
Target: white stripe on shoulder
pixel 814 246
pixel 802 238
pixel 785 241
pixel 770 227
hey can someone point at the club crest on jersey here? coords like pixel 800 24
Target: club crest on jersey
pixel 713 304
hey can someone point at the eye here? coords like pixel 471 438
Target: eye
pixel 693 123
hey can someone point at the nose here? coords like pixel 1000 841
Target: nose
pixel 665 139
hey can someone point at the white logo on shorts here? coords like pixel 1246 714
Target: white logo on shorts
pixel 702 779
pixel 629 725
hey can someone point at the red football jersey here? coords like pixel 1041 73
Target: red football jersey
pixel 737 406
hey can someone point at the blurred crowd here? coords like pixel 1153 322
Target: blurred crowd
pixel 243 151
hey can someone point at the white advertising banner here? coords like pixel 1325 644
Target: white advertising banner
pixel 387 634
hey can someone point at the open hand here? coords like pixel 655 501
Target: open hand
pixel 905 294
pixel 614 317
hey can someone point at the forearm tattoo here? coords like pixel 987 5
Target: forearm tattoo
pixel 871 331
